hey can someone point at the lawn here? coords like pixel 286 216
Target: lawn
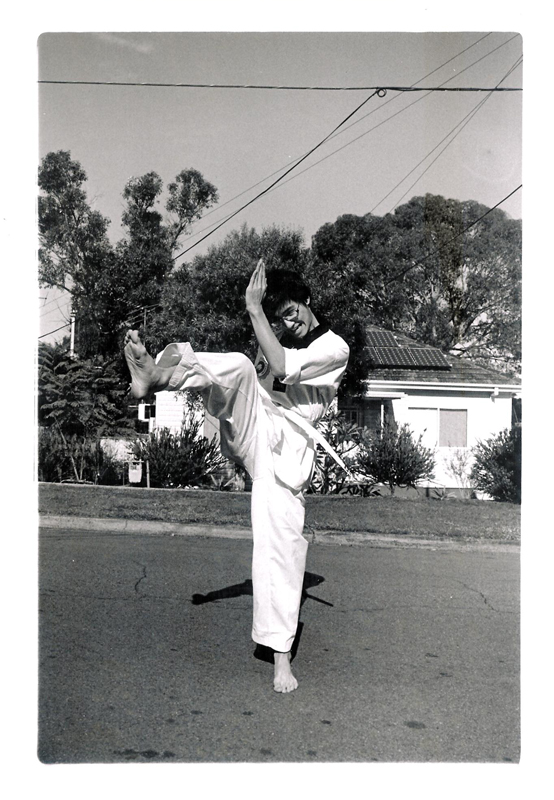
pixel 422 517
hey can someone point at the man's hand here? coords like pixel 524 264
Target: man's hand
pixel 264 332
pixel 256 289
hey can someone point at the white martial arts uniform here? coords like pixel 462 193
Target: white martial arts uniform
pixel 265 425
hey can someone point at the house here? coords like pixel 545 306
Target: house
pixel 168 411
pixel 451 402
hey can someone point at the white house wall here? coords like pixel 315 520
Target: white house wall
pixel 170 408
pixel 486 417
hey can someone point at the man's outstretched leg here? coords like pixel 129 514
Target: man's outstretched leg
pixel 230 392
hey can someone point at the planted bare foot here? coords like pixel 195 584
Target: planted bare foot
pixel 283 681
pixel 146 376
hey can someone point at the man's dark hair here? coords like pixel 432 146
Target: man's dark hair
pixel 284 285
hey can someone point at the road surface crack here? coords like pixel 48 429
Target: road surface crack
pixel 481 594
pixel 142 578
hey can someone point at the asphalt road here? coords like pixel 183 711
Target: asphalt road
pixel 405 654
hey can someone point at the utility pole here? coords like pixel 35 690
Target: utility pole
pixel 72 341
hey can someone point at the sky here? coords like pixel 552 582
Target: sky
pixel 242 139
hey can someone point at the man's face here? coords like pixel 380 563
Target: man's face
pixel 296 318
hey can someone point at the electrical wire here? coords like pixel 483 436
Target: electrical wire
pixel 399 274
pixel 67 324
pixel 397 113
pixel 54 300
pixel 286 88
pixel 333 134
pixel 265 191
pixel 465 121
pixel 339 133
pixel 219 224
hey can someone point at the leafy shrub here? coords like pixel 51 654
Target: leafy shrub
pixel 180 459
pixel 497 467
pixel 75 458
pixel 458 466
pixel 83 397
pixel 392 456
pixel 54 463
pixel 110 470
pixel 329 477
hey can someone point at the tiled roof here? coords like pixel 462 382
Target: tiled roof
pixel 462 370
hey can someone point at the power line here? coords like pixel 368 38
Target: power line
pixel 465 121
pixel 453 238
pixel 332 135
pixel 461 125
pixel 54 300
pixel 392 99
pixel 284 88
pixel 336 131
pixel 377 91
pixel 56 330
pixel 339 133
pixel 401 111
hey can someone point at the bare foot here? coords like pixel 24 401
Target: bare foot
pixel 284 681
pixel 146 376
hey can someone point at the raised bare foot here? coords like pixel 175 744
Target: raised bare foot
pixel 146 376
pixel 284 681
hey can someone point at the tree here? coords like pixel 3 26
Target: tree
pixel 74 245
pixel 464 295
pixel 189 195
pixel 419 271
pixel 146 254
pixel 80 401
pixel 203 301
pixel 110 284
pixel 350 261
pixel 83 397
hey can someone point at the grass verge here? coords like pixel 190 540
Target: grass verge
pixel 476 520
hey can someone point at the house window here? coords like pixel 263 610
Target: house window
pixel 423 422
pixel 373 414
pixel 452 427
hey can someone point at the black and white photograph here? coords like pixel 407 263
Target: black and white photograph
pixel 279 399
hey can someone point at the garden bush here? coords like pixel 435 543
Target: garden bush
pixel 54 464
pixel 329 477
pixel 180 459
pixel 74 458
pixel 393 457
pixel 497 467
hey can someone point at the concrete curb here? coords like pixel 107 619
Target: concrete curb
pixel 148 527
pixel 152 528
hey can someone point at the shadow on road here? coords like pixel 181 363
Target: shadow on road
pixel 245 588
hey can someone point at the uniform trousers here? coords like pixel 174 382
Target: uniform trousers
pixel 279 458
